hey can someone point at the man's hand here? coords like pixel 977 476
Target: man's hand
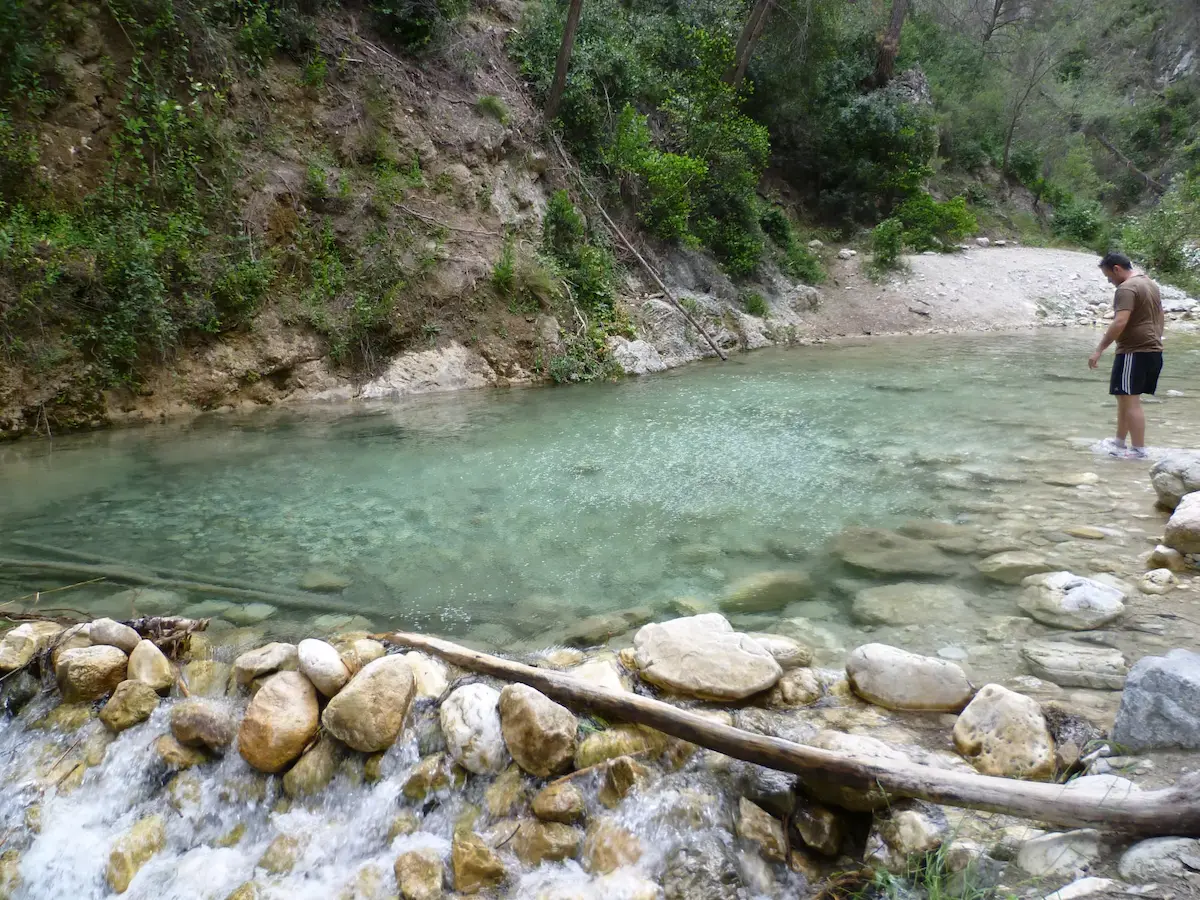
pixel 1094 359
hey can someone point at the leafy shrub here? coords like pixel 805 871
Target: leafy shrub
pixel 755 304
pixel 1165 237
pixel 315 70
pixel 1078 221
pixel 414 24
pixel 491 105
pixel 775 225
pixel 802 264
pixel 930 224
pixel 586 267
pixel 887 244
pixel 528 282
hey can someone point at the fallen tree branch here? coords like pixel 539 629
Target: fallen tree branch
pixel 1172 811
pixel 432 221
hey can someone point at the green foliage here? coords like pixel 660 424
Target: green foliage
pixel 1080 221
pixel 415 24
pixel 932 225
pixel 491 105
pixel 887 245
pixel 754 303
pixel 315 71
pixel 1167 238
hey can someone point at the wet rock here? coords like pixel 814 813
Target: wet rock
pixel 1163 557
pixel 17 690
pixel 756 825
pixel 539 733
pixel 358 652
pixel 799 687
pixel 419 874
pixel 621 776
pixel 863 749
pixel 1013 566
pixel 1069 601
pixel 608 846
pixel 368 713
pixel 538 842
pixel 773 791
pixel 766 592
pixel 75 636
pixel 1160 707
pixel 176 756
pixel 476 866
pixel 1073 665
pixel 1174 476
pixel 907 830
pixel 280 721
pixel 702 870
pixel 148 665
pixel 89 673
pixel 1059 853
pixel 885 552
pixel 314 770
pixel 896 679
pixel 1004 733
pixel 206 677
pixel 909 603
pixel 274 657
pixel 593 631
pixel 1183 528
pixel 470 719
pixel 249 613
pixel 702 656
pixel 247 891
pixel 819 827
pixel 789 653
pixel 404 823
pixel 132 702
pixel 133 850
pixel 430 676
pixel 1157 581
pixel 620 740
pixel 198 723
pixel 603 673
pixel 321 664
pixel 10 873
pixel 323 581
pixel 1160 859
pixel 110 633
pixel 433 773
pixel 184 790
pixel 561 802
pixel 506 795
pixel 281 854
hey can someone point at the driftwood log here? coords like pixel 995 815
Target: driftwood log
pixel 1171 811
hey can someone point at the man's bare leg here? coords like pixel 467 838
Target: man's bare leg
pixel 1135 421
pixel 1122 420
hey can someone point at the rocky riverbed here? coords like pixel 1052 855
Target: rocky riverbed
pixel 341 765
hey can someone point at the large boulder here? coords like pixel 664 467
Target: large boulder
pixel 1064 600
pixel 132 702
pixel 702 656
pixel 281 720
pixel 470 719
pixel 1160 707
pixel 1005 733
pixel 909 603
pixel 539 733
pixel 24 642
pixel 1160 859
pixel 1176 475
pixel 884 552
pixel 767 592
pixel 110 633
pixel 200 723
pixel 368 713
pixel 89 673
pixel 1074 665
pixel 321 664
pixel 273 657
pixel 896 679
pixel 1183 528
pixel 1012 566
pixel 150 666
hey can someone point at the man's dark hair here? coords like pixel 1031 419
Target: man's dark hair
pixel 1112 260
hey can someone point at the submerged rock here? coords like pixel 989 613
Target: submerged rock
pixel 1157 581
pixel 314 770
pixel 176 756
pixel 198 723
pixel 1065 600
pixel 433 773
pixel 607 846
pixel 206 677
pixel 1004 733
pixel 1073 665
pixel 88 673
pixel 538 842
pixel 368 713
pixel 133 850
pixel 702 656
pixel 702 870
pixel 602 673
pixel 562 802
pixel 888 553
pixel 321 664
pixel 148 665
pixel 1160 706
pixel 767 592
pixel 539 733
pixel 281 854
pixel 132 702
pixel 896 679
pixel 419 874
pixel 281 720
pixel 476 866
pixel 470 719
pixel 506 795
pixel 1013 566
pixel 621 776
pixel 910 603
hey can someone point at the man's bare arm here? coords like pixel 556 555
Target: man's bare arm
pixel 1120 320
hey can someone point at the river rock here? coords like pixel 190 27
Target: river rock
pixel 1160 859
pixel 1064 600
pixel 1175 475
pixel 133 850
pixel 280 721
pixel 559 802
pixel 368 713
pixel 909 603
pixel 819 827
pixel 538 842
pixel 150 666
pixel 621 776
pixel 281 854
pixel 1004 733
pixel 767 592
pixel 702 656
pixel 430 676
pixel 470 719
pixel 433 773
pixel 1073 665
pixel 910 829
pixel 789 653
pixel 1157 581
pixel 1163 557
pixel 863 749
pixel 1183 528
pixel 177 757
pixel 703 869
pixel 757 826
pixel 1160 706
pixel 419 874
pixel 896 679
pixel 798 687
pixel 619 740
pixel 603 673
pixel 539 733
pixel 274 657
pixel 607 846
pixel 1060 853
pixel 476 866
pixel 75 636
pixel 206 677
pixel 321 664
pixel 132 702
pixel 314 770
pixel 199 723
pixel 23 643
pixel 88 673
pixel 888 553
pixel 1013 566
pixel 110 633
pixel 17 690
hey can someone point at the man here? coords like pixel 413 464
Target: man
pixel 1137 327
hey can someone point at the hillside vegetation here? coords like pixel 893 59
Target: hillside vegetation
pixel 337 184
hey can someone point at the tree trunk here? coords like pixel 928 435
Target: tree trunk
pixel 889 47
pixel 1092 132
pixel 990 29
pixel 755 23
pixel 564 59
pixel 1172 811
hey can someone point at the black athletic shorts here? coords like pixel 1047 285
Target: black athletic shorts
pixel 1135 373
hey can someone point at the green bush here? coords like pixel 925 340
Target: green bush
pixel 887 244
pixel 802 264
pixel 1079 221
pixel 930 224
pixel 755 304
pixel 415 24
pixel 1165 237
pixel 586 267
pixel 491 105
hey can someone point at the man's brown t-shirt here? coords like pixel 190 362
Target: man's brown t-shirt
pixel 1143 333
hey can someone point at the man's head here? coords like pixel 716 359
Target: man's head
pixel 1116 268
